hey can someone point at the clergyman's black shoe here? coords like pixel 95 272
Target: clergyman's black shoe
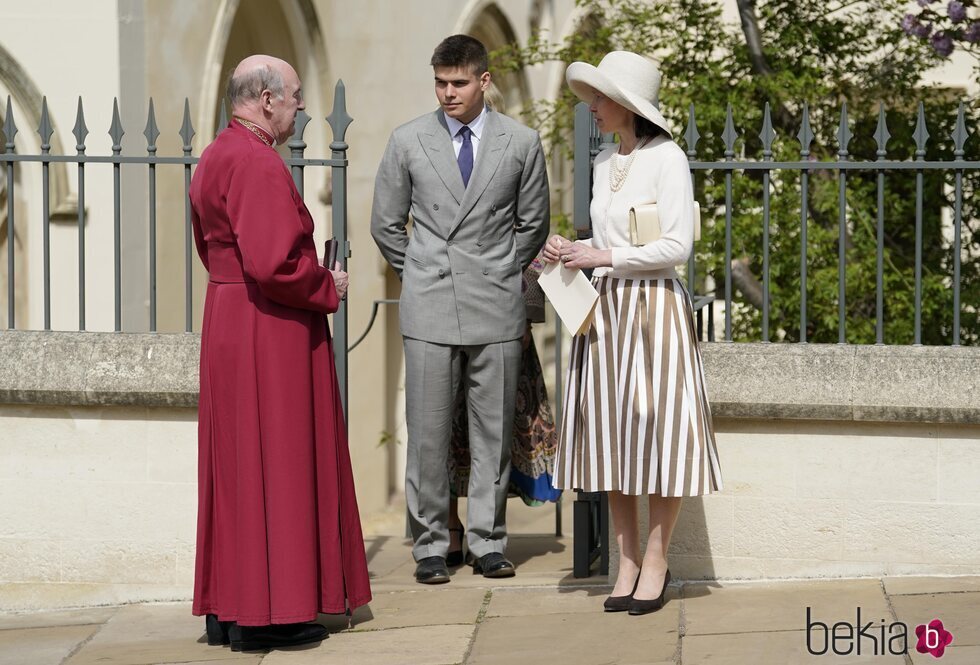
pixel 258 638
pixel 493 564
pixel 217 631
pixel 432 570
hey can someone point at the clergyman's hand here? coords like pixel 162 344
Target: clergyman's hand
pixel 340 280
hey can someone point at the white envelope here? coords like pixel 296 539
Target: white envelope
pixel 571 294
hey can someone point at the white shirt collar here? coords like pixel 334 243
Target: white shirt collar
pixel 475 125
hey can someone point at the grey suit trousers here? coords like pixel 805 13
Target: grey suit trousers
pixel 434 375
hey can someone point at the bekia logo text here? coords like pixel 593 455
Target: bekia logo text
pixel 873 638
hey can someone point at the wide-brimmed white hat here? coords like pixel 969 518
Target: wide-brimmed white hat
pixel 628 79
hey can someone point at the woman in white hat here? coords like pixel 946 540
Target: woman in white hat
pixel 636 419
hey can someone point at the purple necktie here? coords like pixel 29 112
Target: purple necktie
pixel 465 158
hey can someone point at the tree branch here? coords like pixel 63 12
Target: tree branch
pixel 750 28
pixel 746 282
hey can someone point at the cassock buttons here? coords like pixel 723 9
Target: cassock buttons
pixel 450 243
pixel 486 272
pixel 442 273
pixel 435 206
pixel 493 208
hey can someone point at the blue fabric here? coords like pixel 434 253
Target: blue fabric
pixel 533 491
pixel 465 158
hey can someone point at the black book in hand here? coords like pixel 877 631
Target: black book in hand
pixel 330 253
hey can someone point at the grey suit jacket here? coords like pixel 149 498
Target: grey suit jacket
pixel 461 265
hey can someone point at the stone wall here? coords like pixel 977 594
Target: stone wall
pixel 837 461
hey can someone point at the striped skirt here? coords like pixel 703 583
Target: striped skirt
pixel 636 417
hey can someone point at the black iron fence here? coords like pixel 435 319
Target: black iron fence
pixel 864 188
pixel 338 120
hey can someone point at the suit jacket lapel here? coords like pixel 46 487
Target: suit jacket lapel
pixel 438 147
pixel 492 145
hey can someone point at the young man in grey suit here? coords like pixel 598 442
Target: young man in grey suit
pixel 475 184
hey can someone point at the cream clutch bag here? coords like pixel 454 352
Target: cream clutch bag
pixel 645 224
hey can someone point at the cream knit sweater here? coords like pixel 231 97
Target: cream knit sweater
pixel 659 174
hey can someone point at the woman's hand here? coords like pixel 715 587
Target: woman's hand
pixel 578 255
pixel 552 249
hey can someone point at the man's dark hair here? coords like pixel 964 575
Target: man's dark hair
pixel 643 128
pixel 461 51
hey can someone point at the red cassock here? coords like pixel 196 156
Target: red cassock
pixel 279 537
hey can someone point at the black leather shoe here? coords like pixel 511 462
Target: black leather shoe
pixel 621 603
pixel 276 636
pixel 432 570
pixel 217 631
pixel 455 557
pixel 493 564
pixel 638 607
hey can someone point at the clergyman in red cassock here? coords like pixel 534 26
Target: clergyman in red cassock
pixel 279 537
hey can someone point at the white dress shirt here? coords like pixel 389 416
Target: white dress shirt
pixel 476 129
pixel 660 174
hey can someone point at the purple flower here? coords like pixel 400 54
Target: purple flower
pixel 972 34
pixel 909 23
pixel 922 30
pixel 956 10
pixel 925 3
pixel 942 43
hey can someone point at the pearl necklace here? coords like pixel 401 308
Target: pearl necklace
pixel 255 129
pixel 617 173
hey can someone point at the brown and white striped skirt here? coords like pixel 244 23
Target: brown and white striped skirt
pixel 636 417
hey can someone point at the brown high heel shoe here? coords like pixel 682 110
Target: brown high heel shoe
pixel 621 603
pixel 639 607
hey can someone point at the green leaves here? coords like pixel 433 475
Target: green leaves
pixel 826 54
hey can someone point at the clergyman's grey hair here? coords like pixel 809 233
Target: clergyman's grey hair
pixel 249 86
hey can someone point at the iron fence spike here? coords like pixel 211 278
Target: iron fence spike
pixel 9 126
pixel 768 134
pixel 959 132
pixel 186 128
pixel 691 136
pixel 302 120
pixel 80 130
pixel 338 119
pixel 152 131
pixel 222 118
pixel 729 136
pixel 843 132
pixel 44 129
pixel 805 135
pixel 921 134
pixel 116 131
pixel 881 132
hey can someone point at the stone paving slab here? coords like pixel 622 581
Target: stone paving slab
pixel 401 609
pixel 150 634
pixel 41 646
pixel 769 648
pixel 895 586
pixel 385 554
pixel 419 645
pixel 535 602
pixel 959 612
pixel 239 659
pixel 83 617
pixel 580 638
pixel 952 656
pixel 743 608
